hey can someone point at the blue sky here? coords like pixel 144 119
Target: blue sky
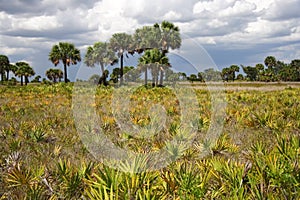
pixel 216 33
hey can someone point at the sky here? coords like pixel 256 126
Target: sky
pixel 216 33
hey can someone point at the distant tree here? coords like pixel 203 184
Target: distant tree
pixel 146 38
pixel 183 76
pixel 94 78
pixel 65 52
pixel 233 69
pixel 192 78
pixel 24 71
pixel 155 60
pixel 240 77
pixel 226 74
pixel 201 76
pixel 121 43
pixel 251 72
pixel 36 79
pixel 259 67
pixel 170 39
pixel 260 71
pixel 164 36
pixel 100 53
pixel 54 75
pixel 4 66
pixel 270 62
pixel 11 68
pixel 295 66
pixel 115 75
pixel 169 36
pixel 104 77
pixel 212 75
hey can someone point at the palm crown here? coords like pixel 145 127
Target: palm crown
pixel 65 52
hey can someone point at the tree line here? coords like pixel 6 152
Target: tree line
pixel 272 70
pixel 152 44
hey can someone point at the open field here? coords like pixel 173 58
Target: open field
pixel 239 86
pixel 256 156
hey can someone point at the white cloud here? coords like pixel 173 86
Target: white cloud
pixel 239 8
pixel 283 10
pixel 39 23
pixel 261 4
pixel 216 23
pixel 171 15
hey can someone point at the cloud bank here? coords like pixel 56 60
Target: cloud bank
pixel 232 31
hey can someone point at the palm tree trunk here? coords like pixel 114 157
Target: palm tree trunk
pixel 65 73
pixel 156 75
pixel 161 77
pixel 146 76
pixel 7 75
pixel 102 77
pixel 121 69
pixel 233 76
pixel 26 80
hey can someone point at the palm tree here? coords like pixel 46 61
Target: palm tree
pixel 144 63
pixel 169 39
pixel 67 53
pixel 24 71
pixel 11 68
pixel 145 38
pixel 4 65
pixel 226 74
pixel 295 65
pixel 54 74
pixel 155 60
pixel 260 70
pixel 163 37
pixel 170 36
pixel 102 55
pixel 233 69
pixel 121 43
pixel 270 62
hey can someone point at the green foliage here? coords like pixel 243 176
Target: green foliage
pixel 54 75
pixel 24 71
pixel 256 157
pixel 4 66
pixel 65 52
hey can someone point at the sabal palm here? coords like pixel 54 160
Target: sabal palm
pixel 4 64
pixel 145 38
pixel 270 62
pixel 169 36
pixel 65 52
pixel 121 43
pixel 100 54
pixel 233 69
pixel 54 74
pixel 155 60
pixel 24 71
pixel 169 39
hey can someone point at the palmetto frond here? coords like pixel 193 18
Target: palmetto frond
pixel 65 52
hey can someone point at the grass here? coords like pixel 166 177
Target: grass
pixel 256 157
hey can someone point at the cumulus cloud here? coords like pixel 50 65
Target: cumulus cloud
pixel 283 10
